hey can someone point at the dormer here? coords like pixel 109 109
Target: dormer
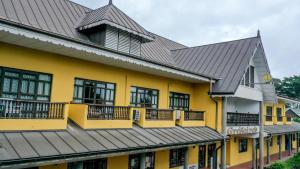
pixel 110 27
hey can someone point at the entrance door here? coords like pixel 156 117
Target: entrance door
pixel 202 156
pixel 211 153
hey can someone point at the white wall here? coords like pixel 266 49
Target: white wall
pixel 242 105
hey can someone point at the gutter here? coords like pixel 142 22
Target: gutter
pixel 34 162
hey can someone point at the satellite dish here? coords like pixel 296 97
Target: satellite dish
pixel 267 78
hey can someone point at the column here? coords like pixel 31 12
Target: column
pixel 268 151
pixel 291 143
pixel 261 136
pixel 279 142
pixel 297 142
pixel 253 153
pixel 186 158
pixel 224 132
pixel 143 161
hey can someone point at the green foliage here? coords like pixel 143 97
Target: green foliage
pixel 289 86
pixel 296 120
pixel 292 163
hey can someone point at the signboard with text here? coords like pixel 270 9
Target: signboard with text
pixel 240 130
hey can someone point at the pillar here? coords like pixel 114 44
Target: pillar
pixel 261 136
pixel 268 151
pixel 280 146
pixel 186 159
pixel 253 153
pixel 291 143
pixel 224 132
pixel 143 161
pixel 297 142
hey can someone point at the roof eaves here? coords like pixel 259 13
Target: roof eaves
pixel 100 47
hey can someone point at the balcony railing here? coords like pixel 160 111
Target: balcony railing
pixel 194 115
pixel 159 114
pixel 269 118
pixel 279 118
pixel 14 109
pixel 242 119
pixel 100 112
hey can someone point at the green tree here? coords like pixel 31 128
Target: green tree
pixel 289 86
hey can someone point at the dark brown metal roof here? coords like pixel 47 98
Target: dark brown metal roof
pixel 227 60
pixel 111 14
pixel 20 146
pixel 282 129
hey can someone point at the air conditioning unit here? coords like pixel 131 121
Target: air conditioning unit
pixel 178 112
pixel 136 115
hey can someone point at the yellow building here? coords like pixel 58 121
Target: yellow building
pixel 93 89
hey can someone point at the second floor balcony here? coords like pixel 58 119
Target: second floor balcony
pixel 191 118
pixel 91 116
pixel 32 115
pixel 242 119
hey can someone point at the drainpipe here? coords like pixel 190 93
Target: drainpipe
pixel 261 137
pixel 224 126
pixel 216 103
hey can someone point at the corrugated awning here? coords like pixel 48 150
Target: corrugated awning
pixel 39 145
pixel 282 129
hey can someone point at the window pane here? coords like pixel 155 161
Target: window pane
pixel 47 89
pixel 14 86
pixel 40 88
pixel 11 74
pixel 24 86
pixel 45 78
pixel 110 86
pixel 31 87
pixel 6 85
pixel 78 82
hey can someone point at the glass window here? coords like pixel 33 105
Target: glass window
pixel 211 153
pixel 94 92
pixel 24 85
pixel 179 101
pixel 142 97
pixel 90 164
pixel 243 143
pixel 249 79
pixel 150 161
pixel 202 156
pixel 269 111
pixel 279 112
pixel 177 157
pixel 134 161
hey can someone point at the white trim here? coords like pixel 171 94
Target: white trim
pixel 106 22
pixel 101 54
pixel 288 100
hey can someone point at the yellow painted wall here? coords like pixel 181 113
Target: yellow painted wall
pixel 162 159
pixel 233 152
pixel 65 70
pixel 56 166
pixel 120 162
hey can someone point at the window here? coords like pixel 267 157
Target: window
pixel 94 92
pixel 211 153
pixel 202 156
pixel 179 101
pixel 134 161
pixel 150 161
pixel 269 111
pixel 294 137
pixel 142 97
pixel 24 85
pixel 177 157
pixel 248 79
pixel 271 141
pixel 279 112
pixel 243 143
pixel 91 164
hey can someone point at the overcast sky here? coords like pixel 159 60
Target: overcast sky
pixel 198 22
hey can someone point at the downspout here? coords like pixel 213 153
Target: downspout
pixel 216 103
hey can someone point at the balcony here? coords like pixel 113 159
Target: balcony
pixel 191 119
pixel 100 116
pixel 32 115
pixel 242 119
pixel 154 118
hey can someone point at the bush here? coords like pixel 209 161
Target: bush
pixel 278 165
pixel 292 163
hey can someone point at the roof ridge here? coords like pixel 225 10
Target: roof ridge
pixel 79 4
pixel 216 43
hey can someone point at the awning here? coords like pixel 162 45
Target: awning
pixel 30 147
pixel 282 129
